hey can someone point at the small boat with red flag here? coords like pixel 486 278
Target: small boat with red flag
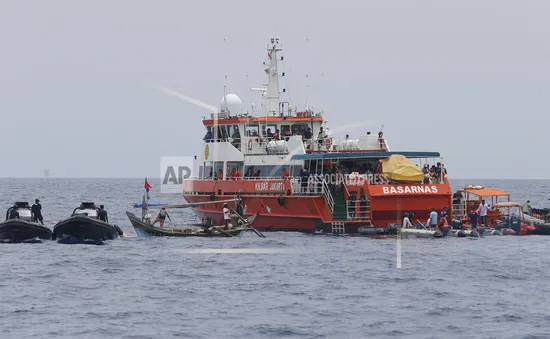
pixel 287 164
pixel 145 226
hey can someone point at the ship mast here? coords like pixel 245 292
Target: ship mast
pixel 272 93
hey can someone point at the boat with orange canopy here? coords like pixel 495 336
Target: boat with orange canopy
pixel 511 217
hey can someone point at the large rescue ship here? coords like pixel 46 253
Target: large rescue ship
pixel 286 165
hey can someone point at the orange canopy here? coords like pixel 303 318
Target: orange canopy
pixel 487 192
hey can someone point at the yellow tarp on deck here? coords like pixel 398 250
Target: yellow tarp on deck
pixel 400 168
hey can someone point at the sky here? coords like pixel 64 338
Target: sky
pixel 79 96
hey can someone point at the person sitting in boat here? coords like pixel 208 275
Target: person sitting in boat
pixel 102 214
pixel 226 216
pixel 36 211
pixel 406 221
pixel 527 208
pixel 161 217
pixel 13 213
pixel 432 220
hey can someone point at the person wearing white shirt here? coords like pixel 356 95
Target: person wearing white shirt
pixel 482 212
pixel 226 215
pixel 406 222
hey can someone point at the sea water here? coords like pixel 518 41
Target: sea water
pixel 287 285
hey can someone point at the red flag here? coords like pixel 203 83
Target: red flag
pixel 269 55
pixel 147 186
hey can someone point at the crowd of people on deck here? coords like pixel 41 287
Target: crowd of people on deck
pixel 435 174
pixel 297 130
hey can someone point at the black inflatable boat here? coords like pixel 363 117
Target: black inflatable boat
pixel 85 227
pixel 19 226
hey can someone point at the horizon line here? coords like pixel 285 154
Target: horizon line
pixel 451 179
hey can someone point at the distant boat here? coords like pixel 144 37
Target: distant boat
pixel 22 228
pixel 84 226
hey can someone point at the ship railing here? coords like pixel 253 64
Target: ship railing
pixel 309 186
pixel 328 196
pixel 357 210
pixel 460 210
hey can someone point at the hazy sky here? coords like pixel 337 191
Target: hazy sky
pixel 469 79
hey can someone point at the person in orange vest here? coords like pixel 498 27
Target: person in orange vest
pixel 235 174
pixel 443 225
pixel 220 175
pixel 285 175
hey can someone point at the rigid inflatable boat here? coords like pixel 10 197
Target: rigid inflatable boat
pixel 22 228
pixel 84 226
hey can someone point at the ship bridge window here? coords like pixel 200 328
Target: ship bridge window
pixel 252 131
pixel 268 130
pixel 222 132
pixel 298 129
pixel 284 129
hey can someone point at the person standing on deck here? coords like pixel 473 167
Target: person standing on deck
pixel 473 218
pixel 285 175
pixel 406 222
pixel 321 137
pixel 482 211
pixel 102 214
pixel 352 203
pixel 432 220
pixel 36 211
pixel 363 204
pixel 527 208
pixel 226 216
pixel 161 217
pixel 426 171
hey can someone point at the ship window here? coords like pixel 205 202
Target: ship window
pixel 271 128
pixel 222 132
pixel 252 131
pixel 229 130
pixel 298 129
pixel 285 128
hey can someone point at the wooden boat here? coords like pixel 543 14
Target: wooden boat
pixel 145 229
pixel 144 226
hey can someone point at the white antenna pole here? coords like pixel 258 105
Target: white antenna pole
pixel 225 97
